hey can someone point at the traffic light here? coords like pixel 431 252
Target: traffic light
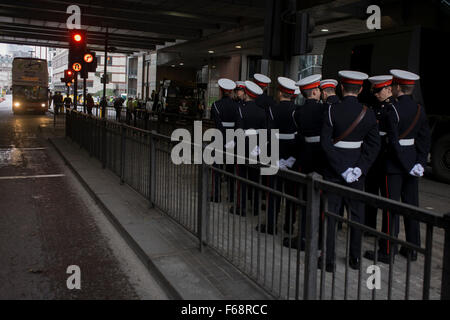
pixel 89 64
pixel 69 76
pixel 77 49
pixel 303 42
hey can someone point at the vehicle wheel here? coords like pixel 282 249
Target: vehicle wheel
pixel 440 159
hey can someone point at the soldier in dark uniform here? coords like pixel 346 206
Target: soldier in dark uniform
pixel 409 142
pixel 376 178
pixel 308 119
pixel 328 88
pixel 281 119
pixel 264 100
pixel 350 154
pixel 225 114
pixel 239 93
pixel 252 119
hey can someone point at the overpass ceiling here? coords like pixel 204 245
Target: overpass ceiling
pixel 132 25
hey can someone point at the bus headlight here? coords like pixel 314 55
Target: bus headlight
pixel 17 104
pixel 43 105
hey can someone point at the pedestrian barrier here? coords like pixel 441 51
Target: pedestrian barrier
pixel 226 206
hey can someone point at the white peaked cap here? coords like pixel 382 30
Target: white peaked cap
pixel 310 82
pixel 287 85
pixel 252 89
pixel 262 79
pixel 227 84
pixel 353 77
pixel 381 81
pixel 404 77
pixel 328 83
pixel 297 91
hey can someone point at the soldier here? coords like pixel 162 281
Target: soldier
pixel 281 118
pixel 253 118
pixel 328 88
pixel 264 101
pixel 239 93
pixel 409 141
pixel 225 114
pixel 351 142
pixel 308 119
pixel 376 178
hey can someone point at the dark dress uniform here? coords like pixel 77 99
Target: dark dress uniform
pixel 342 156
pixel 225 113
pixel 376 178
pixel 281 118
pixel 403 156
pixel 251 117
pixel 265 102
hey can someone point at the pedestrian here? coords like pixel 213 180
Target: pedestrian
pixel 57 102
pixel 118 103
pixel 351 142
pixel 281 119
pixel 409 145
pixel 225 114
pixel 67 102
pixel 103 107
pixel 89 103
pixel 129 110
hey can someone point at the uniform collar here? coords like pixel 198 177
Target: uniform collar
pixel 332 99
pixel 351 98
pixel 405 97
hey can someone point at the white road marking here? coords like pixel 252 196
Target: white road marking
pixel 33 177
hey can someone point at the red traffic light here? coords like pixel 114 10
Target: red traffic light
pixel 77 37
pixel 69 73
pixel 88 58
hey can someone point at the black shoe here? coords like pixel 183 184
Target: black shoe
pixel 293 242
pixel 354 263
pixel 405 252
pixel 263 229
pixel 329 266
pixel 381 256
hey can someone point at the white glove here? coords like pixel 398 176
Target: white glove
pixel 281 164
pixel 230 145
pixel 290 162
pixel 256 151
pixel 417 170
pixel 346 173
pixel 357 173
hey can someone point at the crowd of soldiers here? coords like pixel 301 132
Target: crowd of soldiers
pixel 381 148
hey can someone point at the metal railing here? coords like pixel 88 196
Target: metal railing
pixel 225 206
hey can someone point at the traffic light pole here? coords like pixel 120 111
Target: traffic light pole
pixel 75 91
pixel 104 73
pixel 84 95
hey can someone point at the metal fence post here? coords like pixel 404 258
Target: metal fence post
pixel 152 186
pixel 312 238
pixel 445 289
pixel 104 146
pixel 122 154
pixel 202 202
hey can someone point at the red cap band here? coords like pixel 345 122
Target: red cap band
pixel 310 86
pixel 286 90
pixel 250 94
pixel 261 84
pixel 404 81
pixel 352 81
pixel 382 84
pixel 328 85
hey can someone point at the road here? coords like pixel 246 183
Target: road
pixel 48 222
